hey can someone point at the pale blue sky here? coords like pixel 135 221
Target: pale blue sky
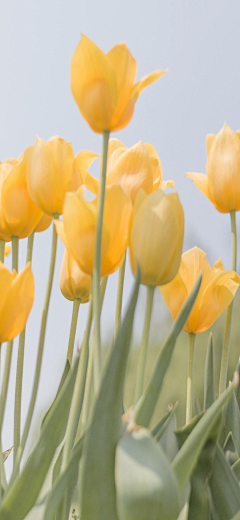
pixel 199 43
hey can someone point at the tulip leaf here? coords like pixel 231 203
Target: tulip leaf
pixel 236 516
pixel 186 459
pixel 236 469
pixel 97 482
pixel 145 406
pixel 230 449
pixel 199 505
pixel 197 408
pixel 23 494
pixel 64 375
pixel 231 423
pixel 224 487
pixel 166 437
pixel 162 421
pixel 209 393
pixel 146 485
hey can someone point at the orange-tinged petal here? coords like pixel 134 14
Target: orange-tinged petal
pixel 201 181
pixel 125 117
pixel 174 295
pixel 6 279
pixel 144 82
pixel 7 249
pixel 44 223
pixel 41 178
pixel 74 283
pixel 83 161
pixel 93 84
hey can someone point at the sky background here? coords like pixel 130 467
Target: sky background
pixel 199 44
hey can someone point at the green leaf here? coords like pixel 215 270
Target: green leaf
pixel 237 516
pixel 199 506
pixel 186 459
pixel 236 469
pixel 162 421
pixel 145 406
pixel 166 437
pixel 183 433
pixel 197 408
pixel 230 450
pixel 224 487
pixel 231 423
pixel 67 368
pixel 23 494
pixel 209 392
pixel 146 485
pixel 97 483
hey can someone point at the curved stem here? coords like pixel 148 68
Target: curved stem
pixel 2 248
pixel 19 375
pixel 227 332
pixel 97 266
pixel 144 344
pixel 75 311
pixel 118 316
pixel 15 242
pixel 190 377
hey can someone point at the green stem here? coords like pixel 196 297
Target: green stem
pixel 227 333
pixel 40 353
pixel 15 242
pixel 190 378
pixel 19 375
pixel 144 344
pixel 2 247
pixel 76 305
pixel 97 266
pixel 118 316
pixel 5 383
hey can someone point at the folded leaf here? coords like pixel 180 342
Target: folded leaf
pixel 224 488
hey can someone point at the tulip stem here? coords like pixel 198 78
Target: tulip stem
pixel 75 311
pixel 19 375
pixel 40 353
pixel 15 242
pixel 121 276
pixel 97 266
pixel 227 332
pixel 2 247
pixel 190 377
pixel 5 382
pixel 144 344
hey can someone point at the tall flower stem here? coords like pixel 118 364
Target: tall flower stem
pixel 227 333
pixel 190 377
pixel 15 242
pixel 19 375
pixel 144 344
pixel 2 247
pixel 97 266
pixel 118 315
pixel 3 399
pixel 40 353
pixel 75 311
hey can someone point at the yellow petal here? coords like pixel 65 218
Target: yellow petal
pixel 167 184
pixel 218 265
pixel 6 279
pixel 83 161
pixel 7 249
pixel 125 117
pixel 93 84
pixel 201 181
pixel 144 82
pixel 67 177
pixel 74 283
pixel 209 142
pixel 44 223
pixel 174 295
pixel 59 225
pixel 41 177
pixel 173 266
pixel 115 149
pixel 156 165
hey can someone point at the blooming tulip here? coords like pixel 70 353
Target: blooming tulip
pixel 74 283
pixel 216 292
pixel 44 223
pixel 133 168
pixel 156 237
pixel 17 294
pixel 222 183
pixel 103 84
pixel 53 171
pixel 78 229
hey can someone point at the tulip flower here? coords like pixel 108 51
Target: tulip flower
pixel 7 249
pixel 217 290
pixel 44 223
pixel 53 171
pixel 103 85
pixel 135 168
pixel 74 283
pixel 222 183
pixel 78 229
pixel 19 215
pixel 156 237
pixel 17 294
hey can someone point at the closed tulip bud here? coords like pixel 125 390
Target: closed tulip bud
pixel 216 292
pixel 156 237
pixel 103 85
pixel 74 283
pixel 135 168
pixel 44 223
pixel 78 229
pixel 222 183
pixel 52 172
pixel 17 295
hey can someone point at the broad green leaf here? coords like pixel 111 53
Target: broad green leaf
pixel 236 469
pixel 166 422
pixel 186 459
pixel 199 506
pixel 197 408
pixel 145 483
pixel 145 406
pixel 64 375
pixel 184 512
pixel 97 483
pixel 167 439
pixel 183 433
pixel 224 487
pixel 209 393
pixel 237 516
pixel 162 421
pixel 238 388
pixel 23 494
pixel 231 423
pixel 230 450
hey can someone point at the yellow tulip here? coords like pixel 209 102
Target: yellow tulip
pixel 53 171
pixel 19 215
pixel 7 249
pixel 156 237
pixel 103 84
pixel 217 290
pixel 135 168
pixel 44 223
pixel 74 283
pixel 222 183
pixel 17 294
pixel 78 229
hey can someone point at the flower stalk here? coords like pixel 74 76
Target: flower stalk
pixel 75 311
pixel 2 247
pixel 121 276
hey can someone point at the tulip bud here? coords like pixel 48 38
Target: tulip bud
pixel 103 85
pixel 74 283
pixel 156 237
